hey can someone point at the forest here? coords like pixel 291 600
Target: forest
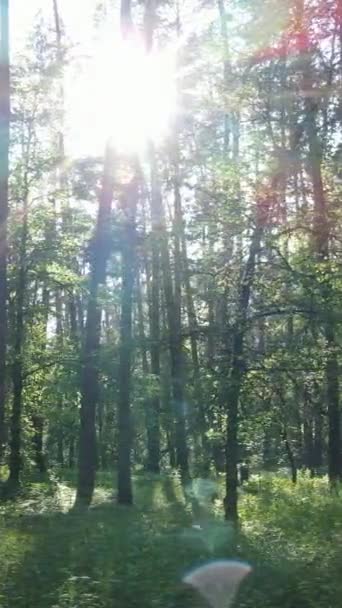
pixel 170 303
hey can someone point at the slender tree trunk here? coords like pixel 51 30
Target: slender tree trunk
pixel 125 495
pixel 290 456
pixel 38 428
pixel 4 169
pixel 15 460
pixel 235 381
pixel 37 418
pixel 175 328
pixel 200 417
pixel 318 436
pixel 71 458
pixel 308 432
pixel 154 432
pixel 59 402
pixel 321 235
pixel 89 375
pixel 172 315
pixel 151 404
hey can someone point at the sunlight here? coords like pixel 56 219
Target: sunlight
pixel 123 94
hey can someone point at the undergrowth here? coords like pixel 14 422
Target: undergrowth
pixel 112 556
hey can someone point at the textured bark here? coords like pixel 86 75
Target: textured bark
pixel 290 456
pixel 4 154
pixel 89 374
pixel 125 495
pixel 235 381
pixel 151 403
pixel 308 456
pixel 37 418
pixel 59 402
pixel 200 417
pixel 173 323
pixel 38 429
pixel 320 241
pixel 154 314
pixel 175 327
pixel 15 460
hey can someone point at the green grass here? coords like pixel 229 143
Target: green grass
pixel 113 556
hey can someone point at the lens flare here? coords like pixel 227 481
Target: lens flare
pixel 218 581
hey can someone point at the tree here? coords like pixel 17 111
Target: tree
pixel 4 166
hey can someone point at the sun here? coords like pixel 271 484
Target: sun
pixel 122 93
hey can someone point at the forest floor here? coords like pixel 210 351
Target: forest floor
pixel 114 556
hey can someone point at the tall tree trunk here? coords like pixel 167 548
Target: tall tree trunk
pixel 125 495
pixel 308 432
pixel 177 358
pixel 151 404
pixel 154 314
pixel 235 380
pixel 89 375
pixel 59 401
pixel 321 250
pixel 290 456
pixel 172 314
pixel 37 418
pixel 4 169
pixel 15 460
pixel 200 417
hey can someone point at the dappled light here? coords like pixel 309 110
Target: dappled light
pixel 170 304
pixel 124 94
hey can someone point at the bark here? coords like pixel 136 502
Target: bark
pixel 238 367
pixel 15 460
pixel 4 169
pixel 37 418
pixel 321 236
pixel 152 403
pixel 290 456
pixel 176 347
pixel 334 418
pixel 200 418
pixel 308 432
pixel 318 437
pixel 125 495
pixel 59 404
pixel 89 374
pixel 153 422
pixel 173 316
pixel 71 457
pixel 154 447
pixel 38 427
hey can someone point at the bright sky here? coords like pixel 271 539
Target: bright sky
pixel 119 93
pixel 76 16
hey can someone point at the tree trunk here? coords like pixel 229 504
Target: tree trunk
pixel 125 495
pixel 235 381
pixel 151 404
pixel 321 235
pixel 89 379
pixel 200 417
pixel 154 314
pixel 290 456
pixel 15 460
pixel 175 324
pixel 38 428
pixel 4 158
pixel 308 432
pixel 59 401
pixel 37 418
pixel 172 315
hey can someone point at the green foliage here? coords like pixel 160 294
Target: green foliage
pixel 136 556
